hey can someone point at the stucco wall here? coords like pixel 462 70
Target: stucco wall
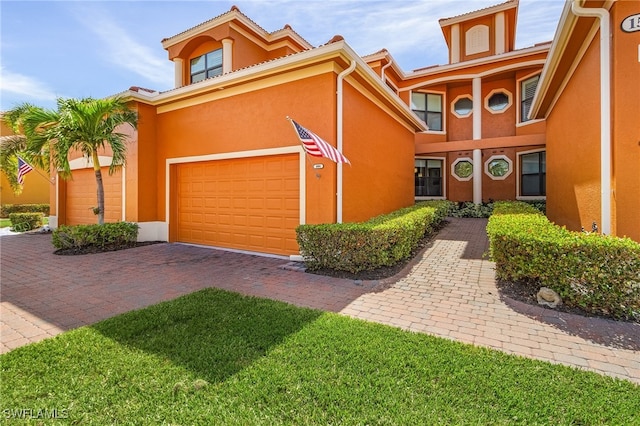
pixel 573 148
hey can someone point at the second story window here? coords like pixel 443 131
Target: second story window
pixel 207 65
pixel 527 90
pixel 463 107
pixel 428 106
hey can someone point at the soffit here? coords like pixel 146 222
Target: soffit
pixel 572 38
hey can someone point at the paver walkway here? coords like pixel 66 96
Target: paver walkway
pixel 448 291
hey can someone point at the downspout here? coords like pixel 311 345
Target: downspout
pixel 605 110
pixel 341 77
pixel 382 74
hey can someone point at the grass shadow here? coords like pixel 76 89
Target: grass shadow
pixel 213 333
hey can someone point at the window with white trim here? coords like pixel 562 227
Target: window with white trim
pixel 498 101
pixel 206 66
pixel 428 177
pixel 462 169
pixel 533 174
pixel 462 106
pixel 527 91
pixel 428 106
pixel 498 167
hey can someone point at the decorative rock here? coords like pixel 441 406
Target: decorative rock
pixel 548 297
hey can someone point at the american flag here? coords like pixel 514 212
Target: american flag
pixel 314 145
pixel 23 169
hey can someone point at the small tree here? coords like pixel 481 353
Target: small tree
pixel 79 125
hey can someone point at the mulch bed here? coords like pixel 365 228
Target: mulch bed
pixel 97 249
pixel 526 291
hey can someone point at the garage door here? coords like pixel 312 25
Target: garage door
pixel 248 203
pixel 82 197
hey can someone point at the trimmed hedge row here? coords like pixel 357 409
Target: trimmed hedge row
pixel 22 222
pixel 600 274
pixel 382 241
pixel 109 236
pixel 7 209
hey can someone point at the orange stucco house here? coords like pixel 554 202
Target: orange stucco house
pixel 589 95
pixel 215 161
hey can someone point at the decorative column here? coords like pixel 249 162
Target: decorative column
pixel 477 108
pixel 477 176
pixel 455 44
pixel 227 55
pixel 477 135
pixel 177 62
pixel 500 33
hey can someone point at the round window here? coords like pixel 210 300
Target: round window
pixel 463 169
pixel 498 101
pixel 498 167
pixel 463 106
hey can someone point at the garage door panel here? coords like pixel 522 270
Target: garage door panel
pixel 258 221
pixel 81 197
pixel 249 203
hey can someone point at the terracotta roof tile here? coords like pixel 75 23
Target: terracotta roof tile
pixel 235 8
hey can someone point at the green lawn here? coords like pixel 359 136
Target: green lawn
pixel 7 222
pixel 215 357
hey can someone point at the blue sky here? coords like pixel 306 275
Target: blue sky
pixel 75 49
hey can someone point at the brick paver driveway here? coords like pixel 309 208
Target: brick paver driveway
pixel 448 291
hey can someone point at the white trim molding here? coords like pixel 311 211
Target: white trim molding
pixel 297 149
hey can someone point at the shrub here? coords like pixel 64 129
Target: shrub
pixel 382 241
pixel 109 236
pixel 7 209
pixel 600 274
pixel 22 222
pixel 470 209
pixel 540 205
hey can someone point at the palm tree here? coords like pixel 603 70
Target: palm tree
pixel 79 125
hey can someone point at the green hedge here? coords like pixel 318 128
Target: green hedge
pixel 7 209
pixel 109 236
pixel 600 274
pixel 22 222
pixel 382 241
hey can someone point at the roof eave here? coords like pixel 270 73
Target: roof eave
pixel 332 50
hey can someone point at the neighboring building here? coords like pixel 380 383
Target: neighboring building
pixel 216 162
pixel 481 144
pixel 35 189
pixel 593 118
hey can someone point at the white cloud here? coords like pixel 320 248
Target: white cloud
pixel 24 86
pixel 124 51
pixel 409 30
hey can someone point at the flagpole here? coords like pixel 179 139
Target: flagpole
pixel 306 154
pixel 51 180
